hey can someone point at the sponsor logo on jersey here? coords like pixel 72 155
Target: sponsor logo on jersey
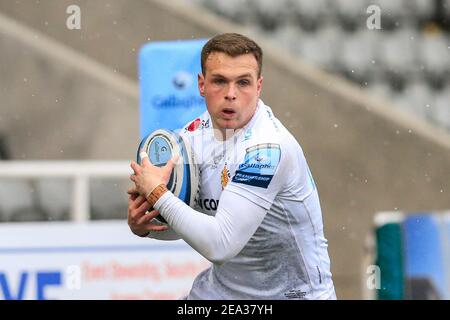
pixel 205 124
pixel 196 124
pixel 295 294
pixel 225 176
pixel 208 204
pixel 259 166
pixel 248 135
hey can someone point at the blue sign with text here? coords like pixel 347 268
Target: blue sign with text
pixel 16 291
pixel 169 96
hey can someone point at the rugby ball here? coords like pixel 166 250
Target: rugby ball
pixel 161 145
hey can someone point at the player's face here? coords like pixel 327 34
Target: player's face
pixel 231 88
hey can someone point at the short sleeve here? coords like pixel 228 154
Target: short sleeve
pixel 261 174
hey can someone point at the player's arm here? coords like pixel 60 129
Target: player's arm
pixel 242 206
pixel 238 216
pixel 217 238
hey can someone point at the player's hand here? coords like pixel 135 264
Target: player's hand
pixel 147 177
pixel 139 221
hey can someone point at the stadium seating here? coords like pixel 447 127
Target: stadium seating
pixel 441 112
pixel 309 14
pixel 421 10
pixel 270 14
pixel 409 55
pixel 350 14
pixel 435 58
pixel 417 97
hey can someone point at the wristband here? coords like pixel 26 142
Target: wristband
pixel 153 196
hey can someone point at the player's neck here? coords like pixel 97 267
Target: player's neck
pixel 223 134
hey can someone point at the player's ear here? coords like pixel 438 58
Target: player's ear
pixel 259 83
pixel 201 84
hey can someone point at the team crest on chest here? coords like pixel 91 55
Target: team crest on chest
pixel 225 177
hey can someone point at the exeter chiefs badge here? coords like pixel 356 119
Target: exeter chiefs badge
pixel 225 177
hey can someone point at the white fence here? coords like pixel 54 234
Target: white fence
pixel 79 173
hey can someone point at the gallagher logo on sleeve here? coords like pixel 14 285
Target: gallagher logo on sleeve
pixel 260 164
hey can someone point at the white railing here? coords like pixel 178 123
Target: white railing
pixel 80 172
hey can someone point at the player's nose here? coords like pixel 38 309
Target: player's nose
pixel 230 93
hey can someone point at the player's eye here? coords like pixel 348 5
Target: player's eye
pixel 219 81
pixel 243 83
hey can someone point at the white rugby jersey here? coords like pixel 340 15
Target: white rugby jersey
pixel 270 191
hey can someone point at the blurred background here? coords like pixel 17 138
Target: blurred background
pixel 363 85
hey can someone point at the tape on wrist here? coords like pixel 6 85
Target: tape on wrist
pixel 156 193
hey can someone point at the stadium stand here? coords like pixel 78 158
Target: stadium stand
pixel 409 47
pixel 54 197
